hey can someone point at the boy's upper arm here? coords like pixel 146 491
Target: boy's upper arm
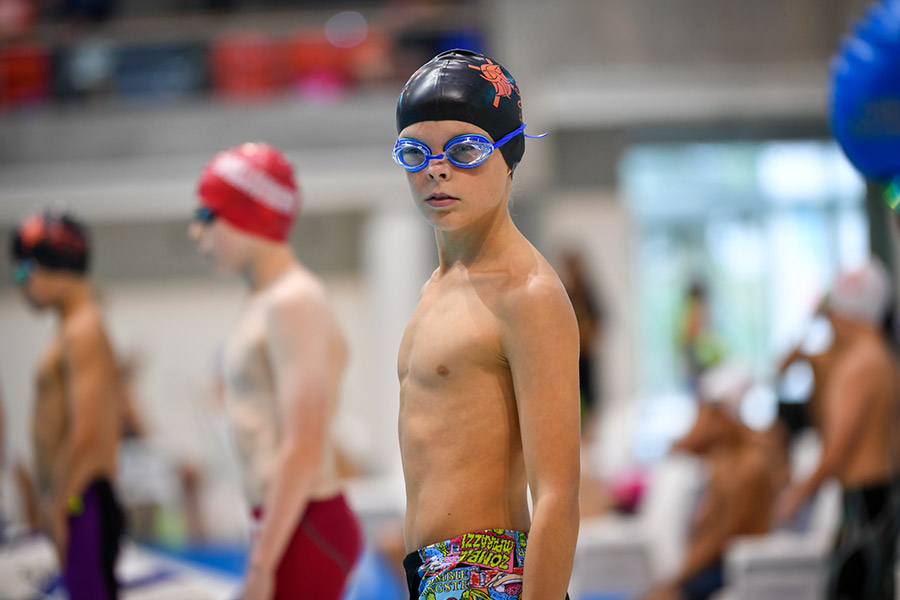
pixel 82 345
pixel 541 345
pixel 297 339
pixel 847 401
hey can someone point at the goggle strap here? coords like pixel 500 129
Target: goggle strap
pixel 512 134
pixel 509 136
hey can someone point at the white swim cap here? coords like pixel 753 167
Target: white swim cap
pixel 863 294
pixel 725 385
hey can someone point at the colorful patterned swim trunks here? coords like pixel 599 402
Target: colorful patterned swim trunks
pixel 483 565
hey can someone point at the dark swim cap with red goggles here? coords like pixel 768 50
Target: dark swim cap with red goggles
pixel 461 85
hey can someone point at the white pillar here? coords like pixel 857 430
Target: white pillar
pixel 399 256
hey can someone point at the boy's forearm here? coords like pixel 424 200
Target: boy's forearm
pixel 72 471
pixel 283 508
pixel 551 548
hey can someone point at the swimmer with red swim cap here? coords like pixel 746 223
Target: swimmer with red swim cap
pixel 75 427
pixel 488 365
pixel 283 364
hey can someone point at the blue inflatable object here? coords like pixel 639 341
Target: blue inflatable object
pixel 865 93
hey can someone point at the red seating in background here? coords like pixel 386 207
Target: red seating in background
pixel 314 66
pixel 24 74
pixel 247 65
pixel 372 60
pixel 244 66
pixel 254 66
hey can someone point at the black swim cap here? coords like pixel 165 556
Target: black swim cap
pixel 53 240
pixel 461 85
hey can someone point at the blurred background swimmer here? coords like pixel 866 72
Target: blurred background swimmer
pixel 590 314
pixel 76 422
pixel 860 424
pixel 741 485
pixel 283 364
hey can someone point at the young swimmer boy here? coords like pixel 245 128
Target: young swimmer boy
pixel 75 429
pixel 283 364
pixel 488 364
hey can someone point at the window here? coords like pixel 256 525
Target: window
pixel 764 227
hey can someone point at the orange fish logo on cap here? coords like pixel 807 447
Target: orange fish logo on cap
pixel 502 85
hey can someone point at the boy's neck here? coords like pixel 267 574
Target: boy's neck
pixel 474 245
pixel 77 296
pixel 268 265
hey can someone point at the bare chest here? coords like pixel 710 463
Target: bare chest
pixel 451 338
pixel 246 362
pixel 50 413
pixel 50 375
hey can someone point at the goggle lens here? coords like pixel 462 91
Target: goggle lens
pixel 24 271
pixel 204 215
pixel 470 152
pixel 411 156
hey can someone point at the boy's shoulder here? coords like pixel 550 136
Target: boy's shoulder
pixel 85 324
pixel 532 284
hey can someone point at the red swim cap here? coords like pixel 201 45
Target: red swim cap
pixel 252 187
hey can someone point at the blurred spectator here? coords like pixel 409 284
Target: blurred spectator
pixel 741 487
pixel 860 414
pixel 590 316
pixel 699 345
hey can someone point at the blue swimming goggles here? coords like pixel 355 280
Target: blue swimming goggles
pixel 204 215
pixel 465 151
pixel 24 270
